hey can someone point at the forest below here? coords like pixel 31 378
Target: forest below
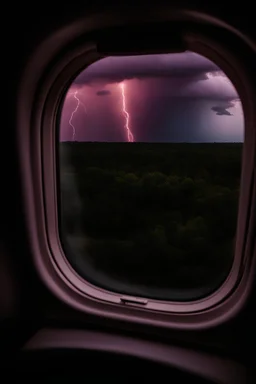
pixel 158 216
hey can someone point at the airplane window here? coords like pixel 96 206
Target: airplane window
pixel 149 155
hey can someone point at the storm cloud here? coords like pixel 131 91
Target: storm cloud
pixel 168 98
pixel 186 75
pixel 223 109
pixel 116 69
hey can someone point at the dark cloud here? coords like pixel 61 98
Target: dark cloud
pixel 167 75
pixel 103 92
pixel 117 69
pixel 224 112
pixel 223 109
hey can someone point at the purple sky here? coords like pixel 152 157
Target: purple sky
pixel 180 97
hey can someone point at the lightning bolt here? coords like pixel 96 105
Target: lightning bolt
pixel 126 114
pixel 79 102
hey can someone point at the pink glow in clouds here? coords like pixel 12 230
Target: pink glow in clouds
pixel 175 91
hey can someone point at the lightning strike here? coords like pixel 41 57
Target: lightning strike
pixel 79 102
pixel 126 114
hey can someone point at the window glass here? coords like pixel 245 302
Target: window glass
pixel 149 169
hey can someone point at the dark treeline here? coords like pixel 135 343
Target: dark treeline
pixel 158 215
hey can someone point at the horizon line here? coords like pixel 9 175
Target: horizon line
pixel 151 142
